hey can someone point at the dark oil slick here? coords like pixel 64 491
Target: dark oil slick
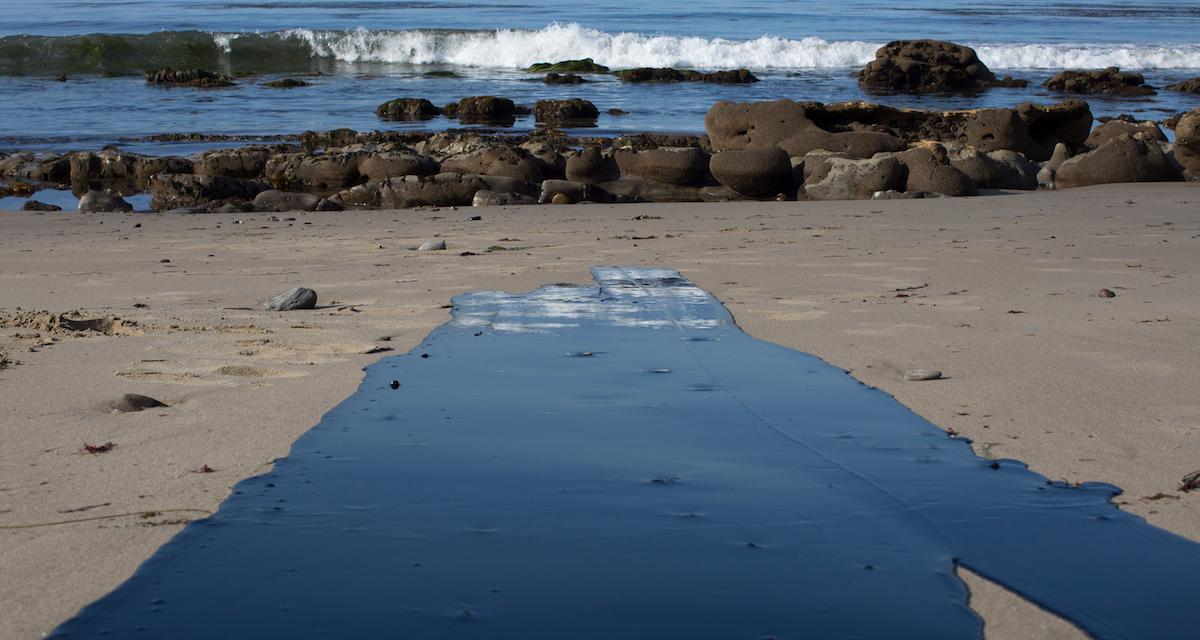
pixel 623 462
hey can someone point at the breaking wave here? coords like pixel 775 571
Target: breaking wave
pixel 306 49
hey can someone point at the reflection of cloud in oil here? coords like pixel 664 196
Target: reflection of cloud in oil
pixel 626 297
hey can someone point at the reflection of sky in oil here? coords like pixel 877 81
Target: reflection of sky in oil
pixel 620 461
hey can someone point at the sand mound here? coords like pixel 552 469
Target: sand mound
pixel 70 323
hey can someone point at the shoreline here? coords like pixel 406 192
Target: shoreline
pixel 1039 368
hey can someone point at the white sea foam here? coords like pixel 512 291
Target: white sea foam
pixel 517 49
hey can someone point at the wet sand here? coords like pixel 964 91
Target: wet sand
pixel 1000 293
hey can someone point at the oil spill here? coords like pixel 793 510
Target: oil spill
pixel 682 481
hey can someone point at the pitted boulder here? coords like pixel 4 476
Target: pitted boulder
pixel 280 201
pixel 668 165
pixel 390 164
pixel 513 162
pixel 1111 81
pixel 330 171
pixel 930 171
pixel 242 162
pixel 486 198
pixel 592 165
pixel 1114 128
pixel 1187 144
pixel 184 190
pixel 851 179
pixel 1122 159
pixel 925 66
pixel 1002 169
pixel 757 173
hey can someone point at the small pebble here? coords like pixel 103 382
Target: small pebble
pixel 294 298
pixel 433 245
pixel 395 384
pixel 1108 293
pixel 916 375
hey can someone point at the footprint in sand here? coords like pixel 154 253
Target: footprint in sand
pixel 247 371
pixel 162 376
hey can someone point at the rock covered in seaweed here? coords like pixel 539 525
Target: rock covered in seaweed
pixel 572 112
pixel 926 66
pixel 407 109
pixel 198 78
pixel 1110 81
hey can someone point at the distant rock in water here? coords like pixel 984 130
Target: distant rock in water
pixel 574 111
pixel 1111 81
pixel 556 78
pixel 484 110
pixel 188 78
pixel 407 109
pixel 1187 86
pixel 441 73
pixel 651 74
pixel 287 83
pixel 294 298
pixel 926 66
pixel 586 65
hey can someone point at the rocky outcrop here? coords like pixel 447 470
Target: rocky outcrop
pixel 756 173
pixel 287 83
pixel 834 178
pixel 394 163
pixel 651 74
pixel 585 65
pixel 1111 81
pixel 1191 85
pixel 513 162
pixel 1187 144
pixel 861 129
pixel 197 78
pixel 573 112
pixel 441 190
pixel 635 190
pixel 176 191
pixel 592 165
pixel 407 109
pixel 1122 159
pixel 488 198
pixel 666 165
pixel 929 171
pixel 244 162
pixel 36 167
pixel 1002 169
pixel 1114 128
pixel 558 78
pixel 925 66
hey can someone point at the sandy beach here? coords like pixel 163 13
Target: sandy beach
pixel 1001 293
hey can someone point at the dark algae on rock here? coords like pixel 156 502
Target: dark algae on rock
pixel 621 461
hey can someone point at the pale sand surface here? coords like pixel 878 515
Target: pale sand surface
pixel 1078 386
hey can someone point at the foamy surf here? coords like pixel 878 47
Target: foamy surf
pixel 290 50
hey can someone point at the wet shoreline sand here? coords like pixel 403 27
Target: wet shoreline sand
pixel 1001 293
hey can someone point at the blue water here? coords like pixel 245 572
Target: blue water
pixel 620 461
pixel 371 51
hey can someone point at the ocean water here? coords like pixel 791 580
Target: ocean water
pixel 360 53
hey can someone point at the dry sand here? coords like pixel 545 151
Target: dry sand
pixel 1002 295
